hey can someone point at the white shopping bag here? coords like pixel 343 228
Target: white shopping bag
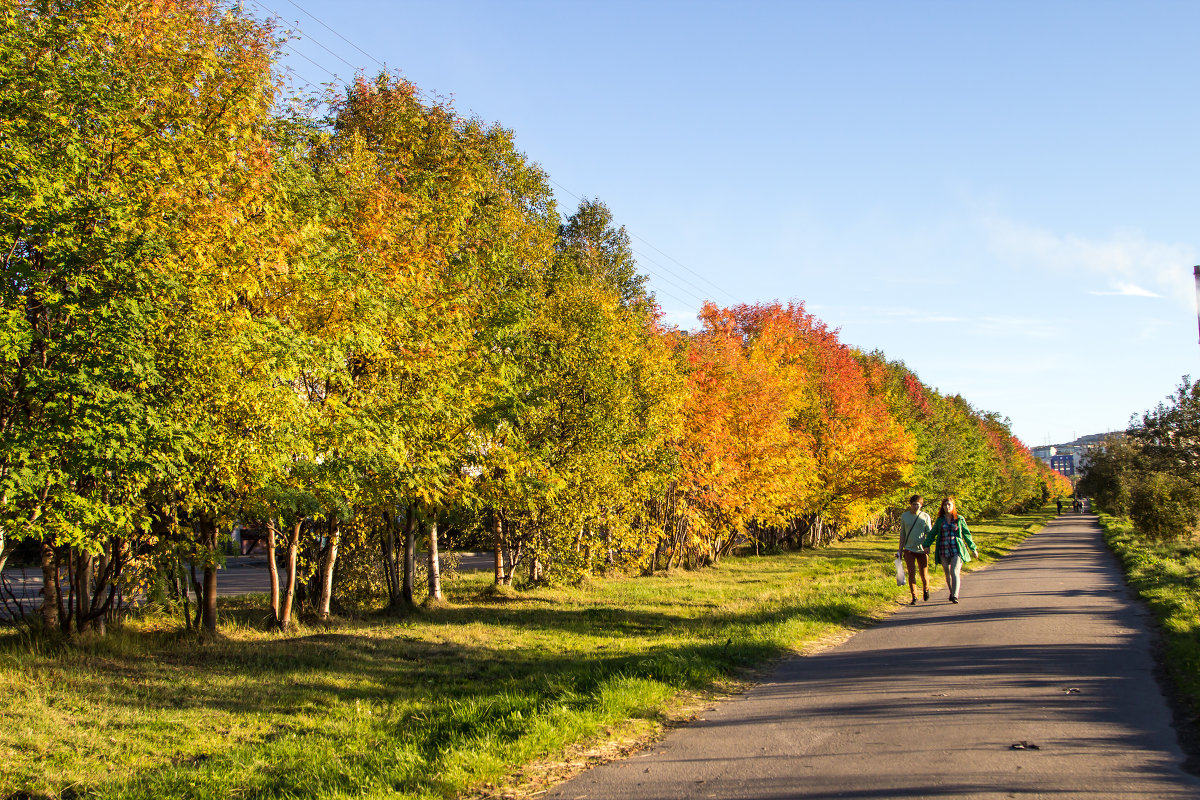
pixel 899 571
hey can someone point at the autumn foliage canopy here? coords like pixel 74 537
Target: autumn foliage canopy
pixel 342 328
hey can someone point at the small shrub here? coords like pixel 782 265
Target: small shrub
pixel 1164 507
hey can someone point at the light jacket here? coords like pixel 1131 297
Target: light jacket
pixel 964 539
pixel 915 530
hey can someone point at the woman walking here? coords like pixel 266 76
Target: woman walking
pixel 914 526
pixel 951 539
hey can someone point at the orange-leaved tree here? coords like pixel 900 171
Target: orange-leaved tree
pixel 741 457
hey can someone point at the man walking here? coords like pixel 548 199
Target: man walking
pixel 914 525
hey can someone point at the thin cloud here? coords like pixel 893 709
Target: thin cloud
pixel 1127 258
pixel 1127 290
pixel 878 315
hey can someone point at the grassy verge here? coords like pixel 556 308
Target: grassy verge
pixel 1166 576
pixel 480 697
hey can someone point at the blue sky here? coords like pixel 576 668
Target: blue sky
pixel 1003 195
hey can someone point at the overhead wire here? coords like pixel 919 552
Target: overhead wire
pixel 730 295
pixel 643 258
pixel 296 52
pixel 335 33
pixel 662 273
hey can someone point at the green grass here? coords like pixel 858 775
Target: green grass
pixel 481 694
pixel 1166 576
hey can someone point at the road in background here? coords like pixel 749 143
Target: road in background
pixel 246 574
pixel 240 575
pixel 1039 684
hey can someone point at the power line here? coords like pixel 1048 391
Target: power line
pixel 680 283
pixel 685 266
pixel 321 67
pixel 335 33
pixel 660 266
pixel 297 53
pixel 643 259
pixel 319 44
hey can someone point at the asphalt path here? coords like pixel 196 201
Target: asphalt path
pixel 1039 684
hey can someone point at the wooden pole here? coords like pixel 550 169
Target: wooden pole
pixel 1196 273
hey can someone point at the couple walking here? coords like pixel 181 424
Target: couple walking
pixel 949 536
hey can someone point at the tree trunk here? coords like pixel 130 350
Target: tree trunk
pixel 84 567
pixel 208 599
pixel 181 580
pixel 50 599
pixel 410 555
pixel 652 564
pixel 679 550
pixel 726 547
pixel 208 616
pixel 387 552
pixel 272 570
pixel 331 551
pixel 392 560
pixel 289 592
pixel 102 587
pixel 498 541
pixel 513 557
pixel 198 590
pixel 435 569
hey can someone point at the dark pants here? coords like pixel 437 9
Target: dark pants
pixel 914 561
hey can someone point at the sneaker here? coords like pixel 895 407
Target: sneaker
pixel 927 595
pixel 913 602
pixel 953 599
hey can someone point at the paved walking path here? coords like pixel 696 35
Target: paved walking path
pixel 1045 649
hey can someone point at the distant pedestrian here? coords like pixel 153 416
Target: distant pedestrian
pixel 951 539
pixel 914 527
pixel 1059 502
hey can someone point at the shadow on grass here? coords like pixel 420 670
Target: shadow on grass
pixel 289 673
pixel 427 690
pixel 286 675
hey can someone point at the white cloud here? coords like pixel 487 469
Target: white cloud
pixel 1127 260
pixel 1123 289
pixel 841 315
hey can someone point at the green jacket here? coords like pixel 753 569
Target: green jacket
pixel 964 539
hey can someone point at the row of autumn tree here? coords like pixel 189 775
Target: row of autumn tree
pixel 345 326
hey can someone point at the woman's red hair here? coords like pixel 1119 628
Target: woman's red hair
pixel 953 512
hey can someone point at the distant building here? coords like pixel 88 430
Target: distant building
pixel 1045 452
pixel 1063 464
pixel 1071 458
